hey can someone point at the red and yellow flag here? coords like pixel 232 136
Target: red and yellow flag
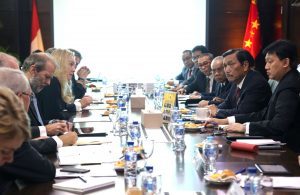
pixel 36 36
pixel 252 40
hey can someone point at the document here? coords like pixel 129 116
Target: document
pixel 89 154
pixel 84 184
pixel 259 142
pixel 91 119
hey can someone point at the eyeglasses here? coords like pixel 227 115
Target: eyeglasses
pixel 204 63
pixel 28 94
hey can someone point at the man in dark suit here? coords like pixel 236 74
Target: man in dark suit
pixel 39 69
pixel 250 92
pixel 204 82
pixel 79 85
pixel 222 85
pixel 279 120
pixel 27 165
pixel 196 53
pixel 186 71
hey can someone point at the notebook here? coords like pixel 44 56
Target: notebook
pixel 84 185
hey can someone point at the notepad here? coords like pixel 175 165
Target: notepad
pixel 78 185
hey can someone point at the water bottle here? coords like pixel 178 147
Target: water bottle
pixel 135 132
pixel 252 182
pixel 130 170
pixel 121 102
pixel 178 131
pixel 210 151
pixel 175 115
pixel 149 183
pixel 123 120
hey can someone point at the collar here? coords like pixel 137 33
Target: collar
pixel 240 85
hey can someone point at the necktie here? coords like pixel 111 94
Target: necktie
pixel 237 94
pixel 207 85
pixel 34 101
pixel 190 73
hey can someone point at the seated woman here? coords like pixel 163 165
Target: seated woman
pixel 18 160
pixel 58 96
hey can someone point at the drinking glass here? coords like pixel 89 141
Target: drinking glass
pixel 147 149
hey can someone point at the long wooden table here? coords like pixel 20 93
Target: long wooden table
pixel 182 171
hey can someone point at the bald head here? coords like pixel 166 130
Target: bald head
pixel 217 68
pixel 8 61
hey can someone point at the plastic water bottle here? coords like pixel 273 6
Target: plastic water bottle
pixel 121 102
pixel 135 132
pixel 149 183
pixel 210 151
pixel 123 120
pixel 178 131
pixel 252 183
pixel 130 171
pixel 175 115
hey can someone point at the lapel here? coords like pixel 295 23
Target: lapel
pixel 34 118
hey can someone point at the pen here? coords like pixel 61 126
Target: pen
pixel 240 171
pixel 82 179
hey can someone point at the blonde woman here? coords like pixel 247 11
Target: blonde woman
pixel 18 160
pixel 58 96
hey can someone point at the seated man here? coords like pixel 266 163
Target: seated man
pixel 222 86
pixel 196 53
pixel 37 78
pixel 250 92
pixel 79 85
pixel 187 70
pixel 18 159
pixel 279 120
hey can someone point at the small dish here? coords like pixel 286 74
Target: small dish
pixel 217 182
pixel 222 177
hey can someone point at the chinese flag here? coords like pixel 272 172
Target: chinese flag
pixel 36 36
pixel 252 40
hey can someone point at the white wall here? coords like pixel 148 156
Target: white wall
pixel 126 39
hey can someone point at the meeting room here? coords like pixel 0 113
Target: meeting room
pixel 143 97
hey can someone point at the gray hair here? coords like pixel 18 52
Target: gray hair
pixel 14 80
pixel 6 60
pixel 39 60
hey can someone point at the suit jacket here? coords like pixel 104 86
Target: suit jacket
pixel 183 75
pixel 28 165
pixel 198 84
pixel 78 89
pixel 280 120
pixel 221 91
pixel 254 96
pixel 193 77
pixel 51 103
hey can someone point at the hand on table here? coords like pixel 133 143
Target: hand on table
pixel 69 138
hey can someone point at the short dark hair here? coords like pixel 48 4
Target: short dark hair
pixel 201 48
pixel 283 49
pixel 76 53
pixel 242 55
pixel 187 51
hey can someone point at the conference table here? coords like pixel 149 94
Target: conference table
pixel 181 172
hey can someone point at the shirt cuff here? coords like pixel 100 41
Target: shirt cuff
pixel 176 82
pixel 78 105
pixel 231 119
pixel 58 141
pixel 43 131
pixel 247 126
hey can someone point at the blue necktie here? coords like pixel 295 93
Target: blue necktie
pixel 34 101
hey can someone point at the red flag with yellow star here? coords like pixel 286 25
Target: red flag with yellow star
pixel 252 40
